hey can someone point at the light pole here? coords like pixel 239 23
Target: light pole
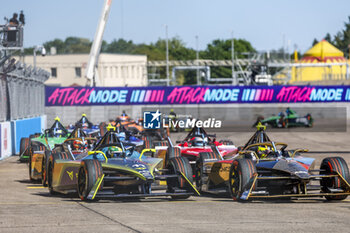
pixel 234 80
pixel 37 49
pixel 167 55
pixel 197 62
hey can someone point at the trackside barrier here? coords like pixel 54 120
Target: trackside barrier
pixel 24 128
pixel 12 132
pixel 5 140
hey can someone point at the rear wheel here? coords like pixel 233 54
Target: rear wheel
pixel 44 168
pixel 50 176
pixel 51 163
pixel 179 165
pixel 89 171
pixel 31 152
pixel 160 143
pixel 147 142
pixel 103 128
pixel 241 178
pixel 333 166
pixel 310 121
pixel 30 167
pixel 23 145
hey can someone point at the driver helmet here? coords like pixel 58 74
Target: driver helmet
pixel 85 125
pixel 288 112
pixel 199 141
pixel 121 136
pixel 123 118
pixel 114 151
pixel 263 151
pixel 79 145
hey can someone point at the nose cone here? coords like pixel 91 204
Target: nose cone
pixel 292 167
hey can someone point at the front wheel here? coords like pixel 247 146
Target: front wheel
pixel 242 173
pixel 89 171
pixel 334 166
pixel 179 165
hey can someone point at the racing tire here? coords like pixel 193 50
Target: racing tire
pixel 242 173
pixel 200 177
pixel 226 142
pixel 23 145
pixel 31 151
pixel 103 129
pixel 51 163
pixel 173 152
pixel 34 135
pixel 147 142
pixel 90 170
pixel 160 143
pixel 282 122
pixel 310 120
pixel 44 168
pixel 175 166
pixel 332 166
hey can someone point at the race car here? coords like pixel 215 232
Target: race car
pixel 127 136
pixel 134 126
pixel 88 127
pixel 155 137
pixel 198 141
pixel 286 119
pixel 77 142
pixel 56 134
pixel 114 169
pixel 265 169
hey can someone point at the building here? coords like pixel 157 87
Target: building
pixel 113 69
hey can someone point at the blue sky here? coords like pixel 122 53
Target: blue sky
pixel 263 23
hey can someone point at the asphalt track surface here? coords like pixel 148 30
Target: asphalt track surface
pixel 28 207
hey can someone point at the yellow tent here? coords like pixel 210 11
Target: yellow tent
pixel 322 53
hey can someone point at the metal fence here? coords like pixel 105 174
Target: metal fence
pixel 22 90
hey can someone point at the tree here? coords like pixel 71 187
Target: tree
pixel 221 50
pixel 120 46
pixel 57 43
pixel 342 38
pixel 77 45
pixel 328 38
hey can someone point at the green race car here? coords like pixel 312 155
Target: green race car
pixel 286 119
pixel 42 142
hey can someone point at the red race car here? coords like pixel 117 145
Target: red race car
pixel 197 141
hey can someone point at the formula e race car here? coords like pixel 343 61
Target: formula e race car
pixel 266 169
pixel 39 143
pixel 131 125
pixel 127 136
pixel 198 141
pixel 286 119
pixel 77 142
pixel 114 169
pixel 155 137
pixel 89 128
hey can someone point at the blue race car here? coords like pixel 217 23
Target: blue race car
pixel 90 129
